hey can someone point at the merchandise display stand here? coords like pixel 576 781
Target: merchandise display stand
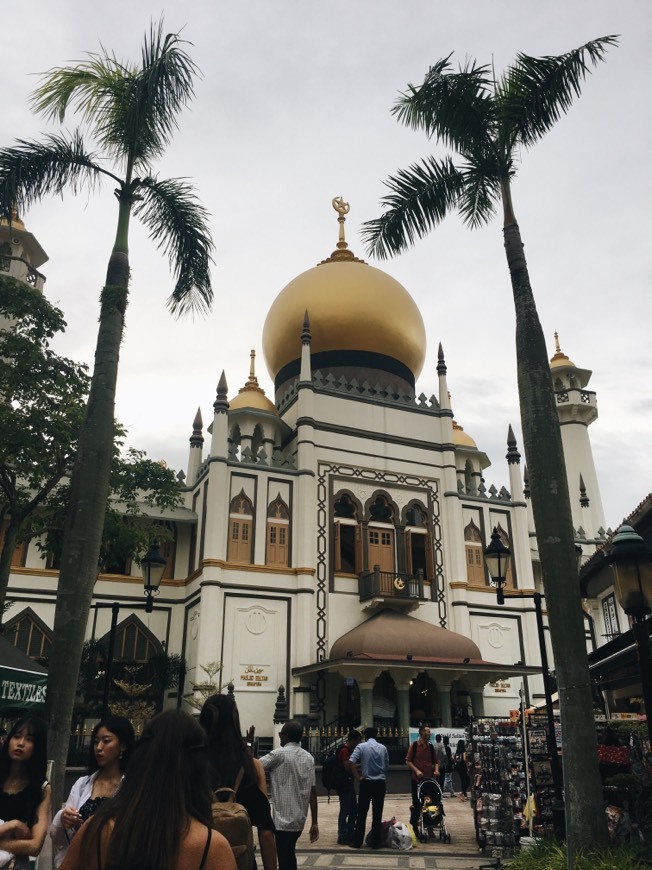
pixel 498 785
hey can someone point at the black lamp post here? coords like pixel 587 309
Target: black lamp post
pixel 153 566
pixel 497 557
pixel 631 560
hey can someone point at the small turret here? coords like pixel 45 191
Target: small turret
pixel 444 395
pixel 220 427
pixel 196 448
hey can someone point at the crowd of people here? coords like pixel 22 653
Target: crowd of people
pixel 149 804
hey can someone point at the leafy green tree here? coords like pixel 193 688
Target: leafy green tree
pixel 42 399
pixel 129 112
pixel 489 122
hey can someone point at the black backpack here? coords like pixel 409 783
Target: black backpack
pixel 333 775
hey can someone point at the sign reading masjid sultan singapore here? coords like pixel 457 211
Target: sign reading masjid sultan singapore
pixel 254 676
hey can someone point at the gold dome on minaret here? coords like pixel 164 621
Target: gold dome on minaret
pixel 252 396
pixel 353 308
pixel 560 358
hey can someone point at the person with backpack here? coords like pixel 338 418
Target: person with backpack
pixel 421 760
pixel 346 791
pixel 237 775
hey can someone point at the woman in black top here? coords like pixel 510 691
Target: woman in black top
pixel 25 796
pixel 228 754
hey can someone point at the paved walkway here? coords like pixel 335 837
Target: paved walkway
pixel 461 853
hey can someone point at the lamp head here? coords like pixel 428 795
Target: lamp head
pixel 152 565
pixel 631 560
pixel 497 557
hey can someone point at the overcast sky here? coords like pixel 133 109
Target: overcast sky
pixel 293 109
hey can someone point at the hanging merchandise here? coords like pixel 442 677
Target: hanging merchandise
pixel 499 785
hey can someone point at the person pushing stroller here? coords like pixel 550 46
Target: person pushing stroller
pixel 422 763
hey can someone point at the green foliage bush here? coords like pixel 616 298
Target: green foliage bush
pixel 549 855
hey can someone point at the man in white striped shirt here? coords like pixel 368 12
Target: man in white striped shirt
pixel 292 784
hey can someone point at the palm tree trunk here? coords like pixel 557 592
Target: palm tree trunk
pixel 89 491
pixel 585 814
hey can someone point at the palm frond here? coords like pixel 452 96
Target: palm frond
pixel 536 91
pixel 420 198
pixel 178 224
pixel 477 204
pixel 455 107
pixel 29 170
pixel 84 88
pixel 131 110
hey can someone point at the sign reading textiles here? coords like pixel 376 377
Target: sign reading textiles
pixel 23 694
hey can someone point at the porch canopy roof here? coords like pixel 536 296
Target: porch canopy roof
pixel 395 640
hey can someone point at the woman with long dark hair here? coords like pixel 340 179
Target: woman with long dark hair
pixel 160 818
pixel 461 768
pixel 112 742
pixel 25 795
pixel 229 755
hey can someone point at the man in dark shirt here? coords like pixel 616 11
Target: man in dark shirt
pixel 422 762
pixel 346 793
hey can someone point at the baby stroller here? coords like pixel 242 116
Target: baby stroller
pixel 432 817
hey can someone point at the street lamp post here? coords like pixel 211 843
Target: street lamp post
pixel 152 565
pixel 631 560
pixel 497 557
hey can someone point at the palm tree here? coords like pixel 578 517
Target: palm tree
pixel 129 113
pixel 487 122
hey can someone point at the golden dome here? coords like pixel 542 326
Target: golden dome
pixel 460 437
pixel 251 396
pixel 352 306
pixel 560 359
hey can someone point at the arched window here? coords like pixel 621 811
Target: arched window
pixel 278 533
pixel 241 523
pixel 5 257
pixel 469 486
pixel 418 544
pixel 29 634
pixel 134 642
pixel 235 440
pixel 347 545
pixel 257 441
pixel 381 537
pixel 473 548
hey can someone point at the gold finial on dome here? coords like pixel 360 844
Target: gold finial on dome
pixel 560 359
pixel 342 208
pixel 342 254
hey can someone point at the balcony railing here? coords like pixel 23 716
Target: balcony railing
pixel 397 585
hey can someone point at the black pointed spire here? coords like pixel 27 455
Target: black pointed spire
pixel 197 439
pixel 584 499
pixel 221 403
pixel 526 483
pixel 513 457
pixel 441 363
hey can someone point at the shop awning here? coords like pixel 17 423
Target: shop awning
pixel 23 682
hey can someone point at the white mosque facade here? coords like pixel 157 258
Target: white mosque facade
pixel 331 539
